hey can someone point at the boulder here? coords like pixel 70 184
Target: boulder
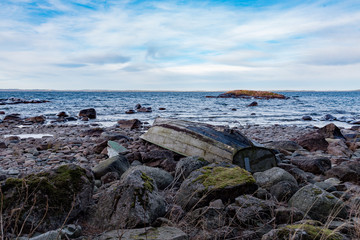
pixel 131 202
pixel 328 117
pixel 62 115
pixel 47 200
pixel 130 111
pixel 13 117
pixel 317 203
pixel 160 233
pixel 337 147
pixel 286 215
pixel 274 175
pixel 313 142
pixel 67 232
pixel 129 124
pixel 331 131
pixel 284 145
pixel 3 145
pixel 207 218
pixel 89 113
pixel 216 181
pixel 161 177
pixel 306 118
pixel 2 112
pixel 117 164
pixel 144 109
pixel 253 104
pixel 37 119
pixel 346 172
pixel 315 165
pixel 187 165
pixel 284 190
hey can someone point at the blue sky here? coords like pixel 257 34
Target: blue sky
pixel 180 45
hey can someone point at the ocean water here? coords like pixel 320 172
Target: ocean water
pixel 193 106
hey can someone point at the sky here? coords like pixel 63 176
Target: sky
pixel 180 45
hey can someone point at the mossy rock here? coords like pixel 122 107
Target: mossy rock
pixel 303 231
pixel 44 200
pixel 216 181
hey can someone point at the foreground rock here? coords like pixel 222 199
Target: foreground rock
pixel 318 204
pixel 118 164
pixel 89 113
pixel 131 202
pixel 45 201
pixel 161 233
pixel 215 181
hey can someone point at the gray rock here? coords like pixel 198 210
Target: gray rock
pixel 161 233
pixel 326 186
pixel 69 231
pixel 274 175
pixel 318 203
pixel 284 190
pixel 284 145
pixel 216 181
pixel 132 201
pixel 161 177
pixel 316 165
pixel 117 164
pixel 187 165
pixel 285 215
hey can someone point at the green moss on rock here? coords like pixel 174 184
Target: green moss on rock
pixel 313 232
pixel 221 177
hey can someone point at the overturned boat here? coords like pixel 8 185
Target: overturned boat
pixel 213 143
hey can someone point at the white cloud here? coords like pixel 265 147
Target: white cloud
pixel 164 44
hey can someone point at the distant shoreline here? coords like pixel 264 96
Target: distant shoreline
pixel 90 90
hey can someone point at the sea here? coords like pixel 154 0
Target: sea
pixel 192 106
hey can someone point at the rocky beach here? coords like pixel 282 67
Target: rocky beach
pixel 63 181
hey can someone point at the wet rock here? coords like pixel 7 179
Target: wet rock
pixel 118 164
pixel 3 145
pixel 46 199
pixel 187 165
pixel 37 119
pixel 162 178
pixel 160 233
pixel 90 113
pixel 331 131
pixel 130 111
pixel 162 108
pixel 253 104
pixel 131 202
pixel 337 147
pixel 144 109
pixel 71 119
pixel 2 112
pixel 318 203
pixel 12 117
pixel 62 115
pixel 129 124
pixel 328 117
pixel 284 190
pixel 316 165
pixel 346 172
pixel 215 181
pixel 313 142
pixel 138 106
pixel 306 118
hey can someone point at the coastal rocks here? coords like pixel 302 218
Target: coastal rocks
pixel 315 165
pixel 317 203
pixel 37 119
pixel 66 232
pixel 131 202
pixel 331 131
pixel 129 124
pixel 43 201
pixel 118 164
pixel 162 178
pixel 62 115
pixel 187 165
pixel 337 147
pixel 12 117
pixel 284 145
pixel 253 104
pixel 160 233
pixel 328 117
pixel 281 184
pixel 130 111
pixel 306 118
pixel 313 142
pixel 346 172
pixel 2 113
pixel 215 181
pixel 89 113
pixel 14 100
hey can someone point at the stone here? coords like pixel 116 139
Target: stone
pixel 3 145
pixel 284 145
pixel 160 233
pixel 62 115
pixel 47 199
pixel 2 112
pixel 284 190
pixel 37 119
pixel 130 111
pixel 131 202
pixel 317 203
pixel 161 177
pixel 12 117
pixel 129 124
pixel 328 117
pixel 306 118
pixel 67 232
pixel 315 165
pixel 253 104
pixel 216 181
pixel 144 109
pixel 89 113
pixel 337 147
pixel 313 142
pixel 162 108
pixel 207 218
pixel 345 172
pixel 331 131
pixel 110 177
pixel 138 106
pixel 269 178
pixel 285 215
pixel 117 164
pixel 187 165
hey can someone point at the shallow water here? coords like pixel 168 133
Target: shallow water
pixel 194 106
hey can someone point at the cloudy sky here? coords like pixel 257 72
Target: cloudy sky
pixel 180 45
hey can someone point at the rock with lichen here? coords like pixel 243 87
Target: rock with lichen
pixel 304 230
pixel 131 202
pixel 45 201
pixel 318 204
pixel 216 181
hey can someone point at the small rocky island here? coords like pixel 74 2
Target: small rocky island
pixel 249 94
